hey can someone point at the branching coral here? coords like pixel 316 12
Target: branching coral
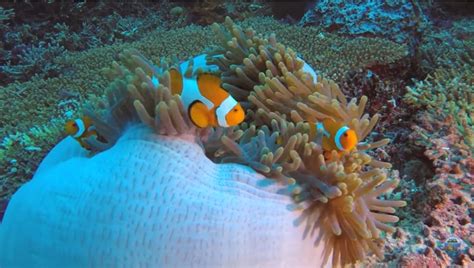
pixel 443 129
pixel 397 20
pixel 446 127
pixel 6 14
pixel 33 143
pixel 36 61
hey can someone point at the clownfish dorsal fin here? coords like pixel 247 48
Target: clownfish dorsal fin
pixel 176 81
pixel 199 114
pixel 331 126
pixel 210 88
pixel 87 121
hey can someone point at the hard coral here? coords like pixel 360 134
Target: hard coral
pixel 448 96
pixel 445 130
pixel 396 20
pixel 384 91
pixel 6 14
pixel 55 24
pixel 36 61
pixel 445 45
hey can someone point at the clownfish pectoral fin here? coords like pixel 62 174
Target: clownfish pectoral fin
pixel 199 114
pixel 326 144
pixel 176 81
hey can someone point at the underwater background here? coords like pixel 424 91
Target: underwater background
pixel 412 59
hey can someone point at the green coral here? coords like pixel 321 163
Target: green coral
pixel 445 126
pixel 441 47
pixel 21 152
pixel 6 14
pixel 448 92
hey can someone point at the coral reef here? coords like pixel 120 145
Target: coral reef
pixel 35 62
pixel 54 54
pixel 6 14
pixel 445 130
pixel 445 45
pixel 384 90
pixel 432 36
pixel 42 31
pixel 447 97
pixel 395 20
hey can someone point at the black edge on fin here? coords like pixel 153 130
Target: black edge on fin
pixel 189 111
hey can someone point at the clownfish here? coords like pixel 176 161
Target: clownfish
pixel 337 136
pixel 80 129
pixel 207 103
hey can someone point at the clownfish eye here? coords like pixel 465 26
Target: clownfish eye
pixel 345 134
pixel 74 124
pixel 235 110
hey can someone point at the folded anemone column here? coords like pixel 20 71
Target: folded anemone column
pixel 149 200
pixel 150 197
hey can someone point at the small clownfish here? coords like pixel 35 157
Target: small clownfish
pixel 207 103
pixel 80 129
pixel 336 136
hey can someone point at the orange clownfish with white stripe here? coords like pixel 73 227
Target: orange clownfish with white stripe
pixel 80 129
pixel 336 136
pixel 207 103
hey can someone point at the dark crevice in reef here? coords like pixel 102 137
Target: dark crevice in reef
pixel 415 167
pixel 384 85
pixel 448 9
pixel 290 11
